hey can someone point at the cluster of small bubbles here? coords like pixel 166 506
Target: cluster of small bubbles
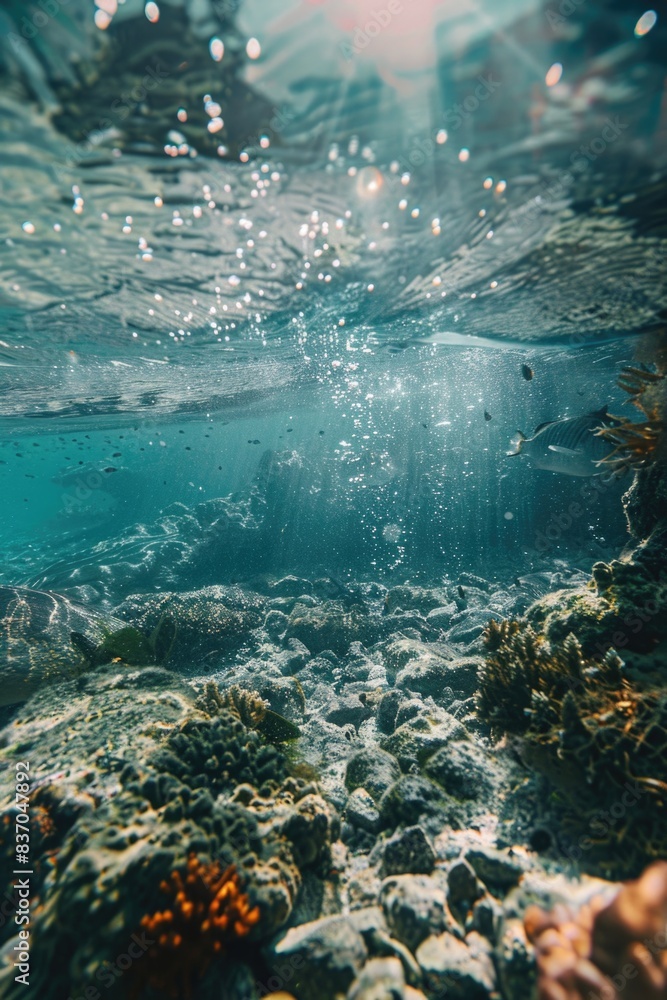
pixel 554 74
pixel 104 13
pixel 77 206
pixel 127 228
pixel 645 23
pixel 216 47
pixel 145 251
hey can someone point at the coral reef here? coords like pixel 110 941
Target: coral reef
pixel 202 806
pixel 247 706
pixel 608 949
pixel 598 731
pixel 207 914
pixel 636 444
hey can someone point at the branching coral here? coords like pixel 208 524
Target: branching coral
pixel 525 679
pixel 208 912
pixel 596 731
pixel 635 444
pixel 245 705
pixel 249 709
pixel 608 950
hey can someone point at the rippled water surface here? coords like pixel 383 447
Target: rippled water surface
pixel 301 280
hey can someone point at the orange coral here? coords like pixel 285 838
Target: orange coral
pixel 208 912
pixel 607 950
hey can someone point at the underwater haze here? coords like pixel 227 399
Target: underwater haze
pixel 332 556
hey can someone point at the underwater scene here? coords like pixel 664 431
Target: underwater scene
pixel 333 549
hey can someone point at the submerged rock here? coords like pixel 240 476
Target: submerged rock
pixel 464 969
pixel 415 907
pixel 373 769
pixel 327 955
pixel 409 852
pixel 380 979
pixel 36 645
pixel 331 626
pixel 212 621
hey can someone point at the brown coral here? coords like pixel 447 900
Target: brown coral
pixel 608 950
pixel 635 444
pixel 208 912
pixel 245 705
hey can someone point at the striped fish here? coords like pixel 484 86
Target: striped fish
pixel 568 446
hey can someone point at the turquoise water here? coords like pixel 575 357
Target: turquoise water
pixel 292 598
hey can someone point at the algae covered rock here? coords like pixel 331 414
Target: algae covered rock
pixel 415 907
pixel 332 625
pixel 463 968
pixel 372 769
pixel 419 737
pixel 210 621
pixel 36 645
pixel 327 955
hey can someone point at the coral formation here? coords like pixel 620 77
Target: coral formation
pixel 207 913
pixel 636 444
pixel 598 731
pixel 608 949
pixel 249 708
pixel 206 811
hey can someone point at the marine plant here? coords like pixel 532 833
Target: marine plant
pixel 598 730
pixel 636 444
pixel 207 914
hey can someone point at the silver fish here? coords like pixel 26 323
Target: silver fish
pixel 568 446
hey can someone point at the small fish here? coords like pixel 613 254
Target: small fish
pixel 462 593
pixel 568 446
pixel 487 415
pixel 527 372
pixel 110 468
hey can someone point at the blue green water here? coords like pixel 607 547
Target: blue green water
pixel 303 313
